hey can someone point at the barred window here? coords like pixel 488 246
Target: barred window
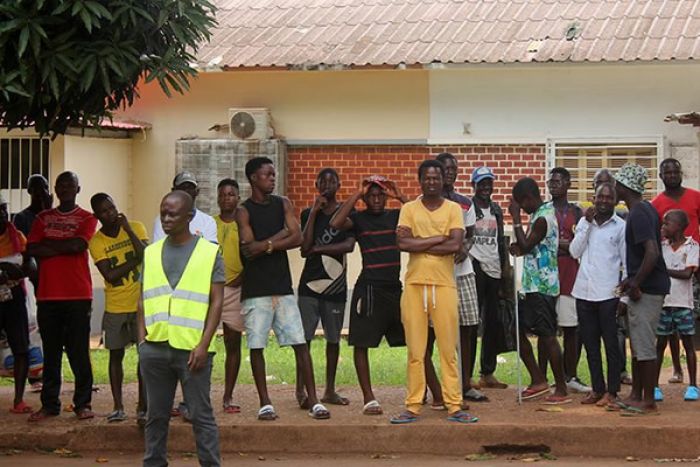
pixel 584 159
pixel 19 158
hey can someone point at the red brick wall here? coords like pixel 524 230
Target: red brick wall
pixel 400 163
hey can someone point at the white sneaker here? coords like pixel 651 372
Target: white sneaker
pixel 574 385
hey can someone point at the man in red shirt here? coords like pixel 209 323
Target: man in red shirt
pixel 59 240
pixel 676 196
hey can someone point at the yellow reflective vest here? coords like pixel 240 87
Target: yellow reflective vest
pixel 177 315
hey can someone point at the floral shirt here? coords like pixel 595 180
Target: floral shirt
pixel 540 271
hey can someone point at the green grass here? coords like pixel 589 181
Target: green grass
pixel 388 365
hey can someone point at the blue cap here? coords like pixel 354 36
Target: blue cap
pixel 481 173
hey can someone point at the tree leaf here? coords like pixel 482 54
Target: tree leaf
pixel 23 39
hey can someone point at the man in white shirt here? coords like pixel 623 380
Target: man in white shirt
pixel 599 244
pixel 202 224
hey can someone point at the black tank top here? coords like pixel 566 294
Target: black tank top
pixel 266 275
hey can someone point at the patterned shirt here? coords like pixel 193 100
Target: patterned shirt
pixel 540 271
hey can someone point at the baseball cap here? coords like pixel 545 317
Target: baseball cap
pixel 184 177
pixel 480 173
pixel 379 180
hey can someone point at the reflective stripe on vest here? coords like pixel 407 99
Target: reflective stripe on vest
pixel 178 316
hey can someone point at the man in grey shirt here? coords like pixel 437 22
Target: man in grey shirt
pixel 176 345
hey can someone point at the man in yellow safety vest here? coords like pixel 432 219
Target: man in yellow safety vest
pixel 180 309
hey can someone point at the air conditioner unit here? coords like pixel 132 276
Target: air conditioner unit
pixel 250 123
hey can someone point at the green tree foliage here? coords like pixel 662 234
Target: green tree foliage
pixel 73 62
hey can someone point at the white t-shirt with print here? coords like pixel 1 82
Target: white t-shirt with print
pixel 681 294
pixel 485 249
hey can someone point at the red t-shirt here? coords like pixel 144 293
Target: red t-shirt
pixel 689 202
pixel 567 219
pixel 64 277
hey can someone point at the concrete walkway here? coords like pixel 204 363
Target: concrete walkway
pixel 504 427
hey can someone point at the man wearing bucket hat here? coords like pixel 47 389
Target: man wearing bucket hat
pixel 488 255
pixel 646 285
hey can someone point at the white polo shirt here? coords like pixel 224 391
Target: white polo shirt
pixel 601 252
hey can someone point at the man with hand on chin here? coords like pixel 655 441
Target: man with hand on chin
pixel 180 309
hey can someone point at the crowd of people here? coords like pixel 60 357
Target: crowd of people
pixel 589 273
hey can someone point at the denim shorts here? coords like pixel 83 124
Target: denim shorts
pixel 279 313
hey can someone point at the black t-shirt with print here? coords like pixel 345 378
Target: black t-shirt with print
pixel 324 276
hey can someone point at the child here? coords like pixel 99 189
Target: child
pixel 681 257
pixel 231 317
pixel 540 286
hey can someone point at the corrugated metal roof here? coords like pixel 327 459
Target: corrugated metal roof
pixel 298 33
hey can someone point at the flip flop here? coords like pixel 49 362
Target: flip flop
pixel 529 393
pixel 631 411
pixel 462 416
pixel 556 400
pixel 403 418
pixel 40 415
pixel 372 408
pixel 337 399
pixel 21 408
pixel 267 413
pixel 319 412
pixel 232 408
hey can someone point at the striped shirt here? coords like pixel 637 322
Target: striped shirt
pixel 376 235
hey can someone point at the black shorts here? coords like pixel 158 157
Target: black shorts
pixel 375 312
pixel 538 314
pixel 14 320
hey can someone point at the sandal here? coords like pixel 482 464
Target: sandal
pixel 267 413
pixel 40 415
pixel 231 408
pixel 21 408
pixel 556 400
pixel 403 418
pixel 592 398
pixel 372 408
pixel 336 399
pixel 85 413
pixel 677 378
pixel 530 393
pixel 319 412
pixel 461 416
pixel 438 406
pixel 116 416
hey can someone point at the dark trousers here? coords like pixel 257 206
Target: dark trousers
pixel 487 292
pixel 598 320
pixel 161 368
pixel 65 324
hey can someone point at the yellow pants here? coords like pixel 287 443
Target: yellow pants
pixel 418 303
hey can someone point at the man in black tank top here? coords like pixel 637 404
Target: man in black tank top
pixel 267 228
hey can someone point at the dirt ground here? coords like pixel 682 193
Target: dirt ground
pixel 504 427
pixel 116 459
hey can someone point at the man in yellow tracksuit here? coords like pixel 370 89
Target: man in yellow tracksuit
pixel 431 230
pixel 179 311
